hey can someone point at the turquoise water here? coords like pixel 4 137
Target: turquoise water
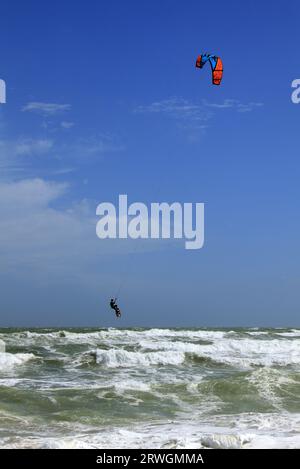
pixel 150 388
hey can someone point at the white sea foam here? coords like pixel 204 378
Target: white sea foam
pixel 292 333
pixel 269 382
pixel 115 335
pixel 247 432
pixel 10 382
pixel 132 385
pixel 224 348
pixel 247 352
pixel 122 358
pixel 238 352
pixel 257 333
pixel 8 360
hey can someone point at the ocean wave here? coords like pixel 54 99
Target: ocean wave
pixel 2 346
pixel 115 358
pixel 243 353
pixel 237 352
pixel 8 360
pixel 234 434
pixel 109 336
pixel 274 385
pixel 292 333
pixel 166 346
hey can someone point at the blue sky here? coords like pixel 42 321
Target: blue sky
pixel 103 98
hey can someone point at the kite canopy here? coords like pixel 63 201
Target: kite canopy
pixel 216 66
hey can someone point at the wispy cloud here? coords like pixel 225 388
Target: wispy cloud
pixel 67 125
pixel 94 146
pixel 46 108
pixel 31 147
pixel 63 171
pixel 178 108
pixel 234 104
pixel 12 153
pixel 193 117
pixel 20 154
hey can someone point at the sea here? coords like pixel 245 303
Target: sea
pixel 150 388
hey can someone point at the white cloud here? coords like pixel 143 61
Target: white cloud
pixel 234 104
pixel 227 103
pixel 93 146
pixel 43 237
pixel 61 171
pixel 67 125
pixel 32 147
pixel 53 267
pixel 25 146
pixel 46 108
pixel 38 237
pixel 28 194
pixel 193 117
pixel 12 152
pixel 248 107
pixel 17 155
pixel 178 108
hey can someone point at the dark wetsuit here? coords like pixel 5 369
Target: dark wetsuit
pixel 114 306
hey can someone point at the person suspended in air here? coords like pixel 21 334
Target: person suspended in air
pixel 115 307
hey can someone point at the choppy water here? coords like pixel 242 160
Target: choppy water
pixel 150 388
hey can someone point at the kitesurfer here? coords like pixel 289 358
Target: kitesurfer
pixel 115 307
